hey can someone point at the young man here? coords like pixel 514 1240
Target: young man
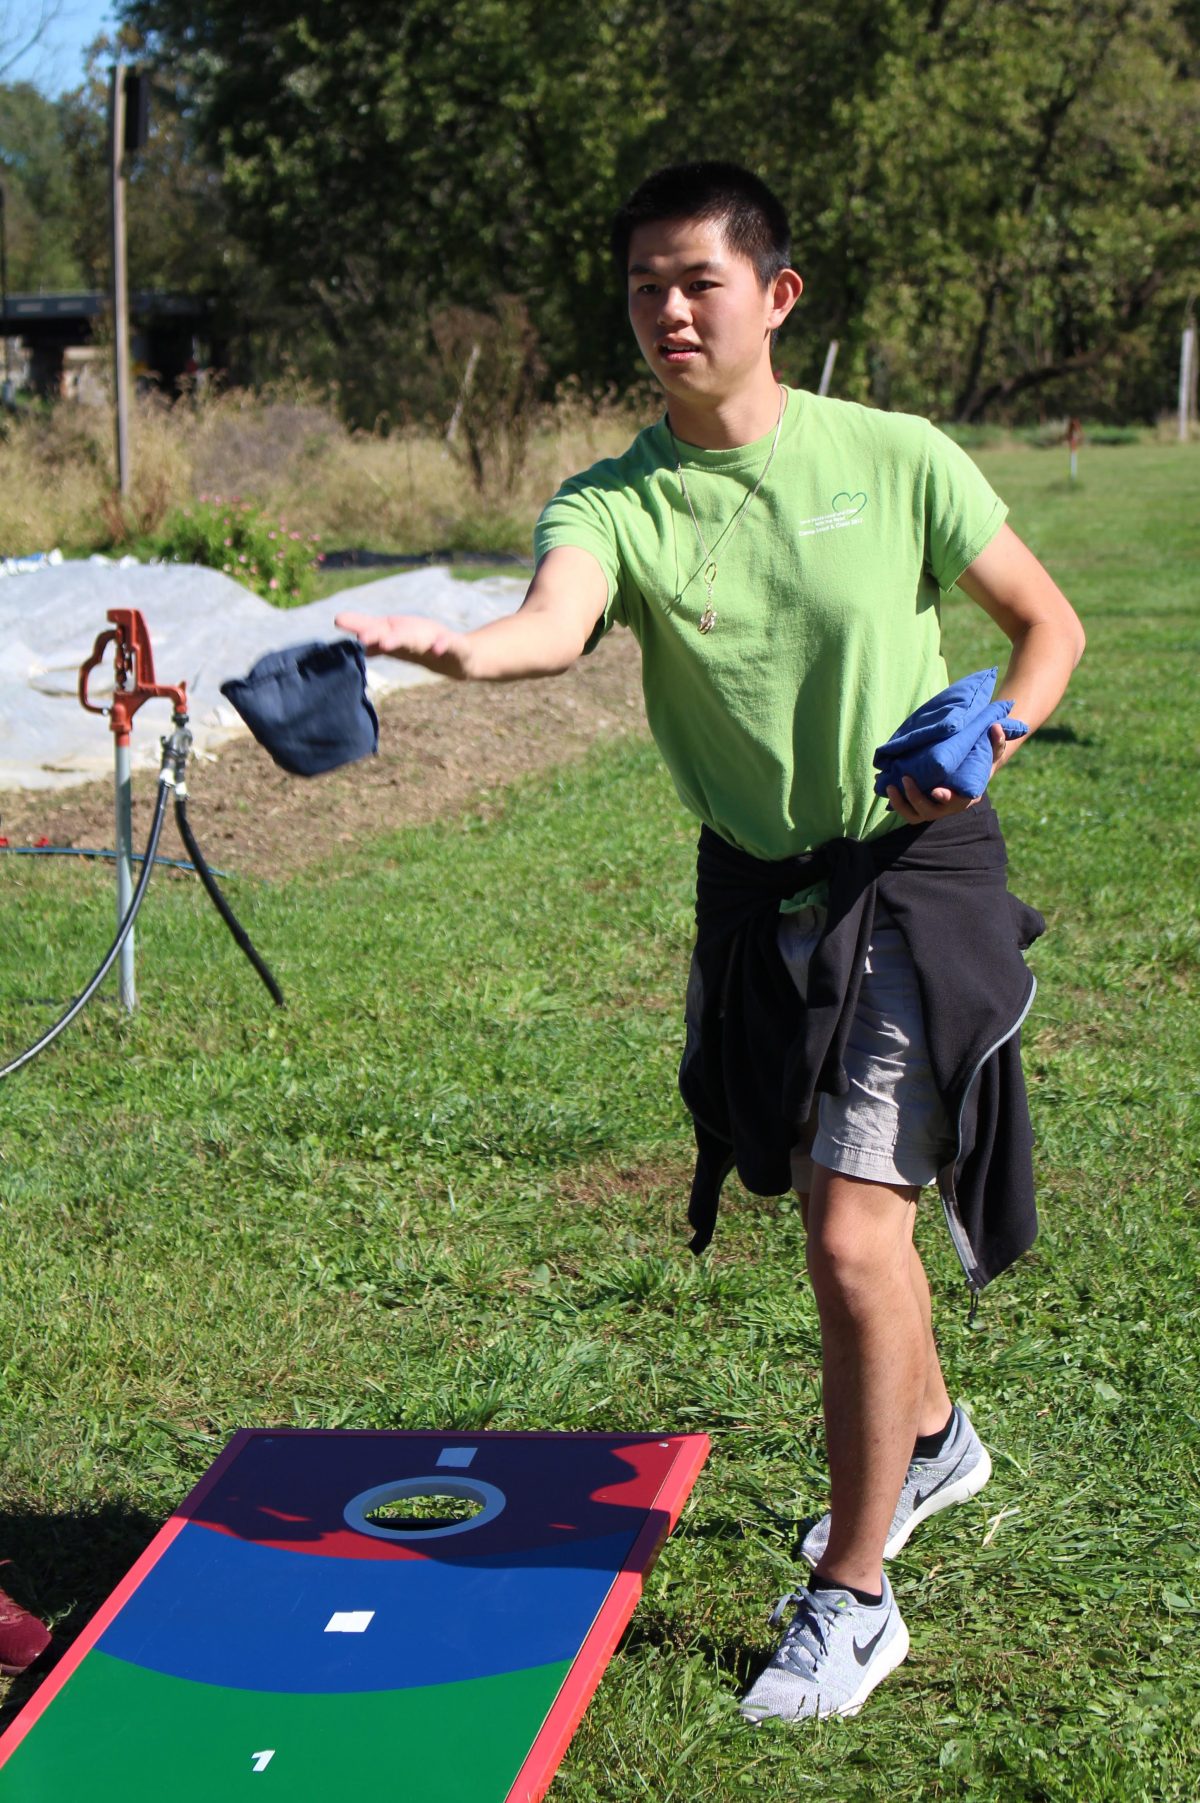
pixel 857 987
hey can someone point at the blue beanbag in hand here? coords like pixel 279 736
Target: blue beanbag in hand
pixel 308 706
pixel 945 743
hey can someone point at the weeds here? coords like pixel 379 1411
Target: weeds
pixel 274 559
pixel 287 453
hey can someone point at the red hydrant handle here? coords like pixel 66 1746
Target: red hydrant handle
pixel 133 672
pixel 104 639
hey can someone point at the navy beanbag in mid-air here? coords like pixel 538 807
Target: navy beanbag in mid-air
pixel 307 704
pixel 945 743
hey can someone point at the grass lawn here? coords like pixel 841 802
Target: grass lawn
pixel 446 1188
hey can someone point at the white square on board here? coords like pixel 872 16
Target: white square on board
pixel 456 1458
pixel 350 1621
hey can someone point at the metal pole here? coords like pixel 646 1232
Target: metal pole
pixel 124 847
pixel 1187 362
pixel 120 293
pixel 827 372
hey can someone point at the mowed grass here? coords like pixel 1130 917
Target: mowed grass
pixel 446 1189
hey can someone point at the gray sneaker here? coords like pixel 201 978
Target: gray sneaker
pixel 830 1659
pixel 929 1485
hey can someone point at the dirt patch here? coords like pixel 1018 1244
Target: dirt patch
pixel 441 746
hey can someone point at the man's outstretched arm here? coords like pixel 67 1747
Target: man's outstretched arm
pixel 1046 636
pixel 544 637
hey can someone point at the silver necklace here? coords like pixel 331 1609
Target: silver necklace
pixel 708 618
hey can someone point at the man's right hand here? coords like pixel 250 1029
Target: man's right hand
pixel 544 637
pixel 413 638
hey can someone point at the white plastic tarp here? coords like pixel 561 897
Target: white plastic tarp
pixel 203 628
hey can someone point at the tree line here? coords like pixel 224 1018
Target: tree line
pixel 994 205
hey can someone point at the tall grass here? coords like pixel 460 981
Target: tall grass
pixel 404 491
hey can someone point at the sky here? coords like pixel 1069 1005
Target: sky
pixel 56 64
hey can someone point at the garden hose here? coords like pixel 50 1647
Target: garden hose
pixel 170 777
pixel 93 851
pixel 227 914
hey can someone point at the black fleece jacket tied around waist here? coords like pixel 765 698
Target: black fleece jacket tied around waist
pixel 757 1056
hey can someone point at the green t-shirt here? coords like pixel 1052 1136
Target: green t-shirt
pixel 828 632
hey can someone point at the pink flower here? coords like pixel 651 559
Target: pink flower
pixel 228 542
pixel 293 535
pixel 272 583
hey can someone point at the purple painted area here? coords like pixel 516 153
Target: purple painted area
pixel 290 1490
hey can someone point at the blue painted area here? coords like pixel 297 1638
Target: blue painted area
pixel 219 1610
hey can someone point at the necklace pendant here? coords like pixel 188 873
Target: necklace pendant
pixel 708 619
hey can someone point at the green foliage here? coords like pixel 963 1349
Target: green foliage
pixel 36 177
pixel 446 1189
pixel 1112 435
pixel 992 203
pixel 54 170
pixel 268 555
pixel 1019 183
pixel 995 206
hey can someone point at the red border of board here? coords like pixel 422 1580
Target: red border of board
pixel 587 1668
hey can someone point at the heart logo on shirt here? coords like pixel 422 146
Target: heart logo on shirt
pixel 847 503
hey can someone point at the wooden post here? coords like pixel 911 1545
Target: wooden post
pixel 120 295
pixel 8 384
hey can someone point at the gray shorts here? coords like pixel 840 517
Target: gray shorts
pixel 890 1126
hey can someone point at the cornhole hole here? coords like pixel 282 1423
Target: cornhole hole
pixel 421 1615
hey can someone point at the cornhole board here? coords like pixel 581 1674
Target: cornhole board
pixel 281 1639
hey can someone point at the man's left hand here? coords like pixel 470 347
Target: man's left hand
pixel 914 806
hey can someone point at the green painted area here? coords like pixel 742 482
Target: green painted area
pixel 120 1734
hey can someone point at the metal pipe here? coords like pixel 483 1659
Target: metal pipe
pixel 166 783
pixel 93 851
pixel 126 981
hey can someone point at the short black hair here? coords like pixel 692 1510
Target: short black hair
pixel 752 218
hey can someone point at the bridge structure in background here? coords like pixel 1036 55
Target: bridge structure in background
pixel 58 335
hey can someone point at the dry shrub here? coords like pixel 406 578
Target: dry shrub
pixel 491 371
pixel 249 445
pixel 288 452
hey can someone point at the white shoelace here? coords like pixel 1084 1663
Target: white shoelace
pixel 808 1633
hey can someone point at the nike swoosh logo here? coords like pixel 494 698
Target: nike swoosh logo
pixel 863 1653
pixel 924 1495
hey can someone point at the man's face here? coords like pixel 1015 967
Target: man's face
pixel 700 315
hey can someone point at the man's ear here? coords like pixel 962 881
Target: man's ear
pixel 785 292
